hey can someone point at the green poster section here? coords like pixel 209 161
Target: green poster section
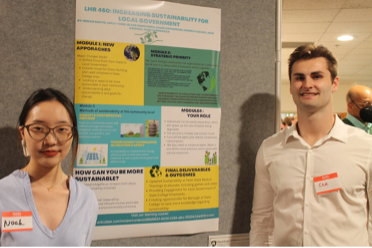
pixel 181 77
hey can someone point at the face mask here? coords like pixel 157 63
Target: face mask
pixel 366 114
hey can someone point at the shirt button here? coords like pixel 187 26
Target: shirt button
pixel 306 231
pixel 307 204
pixel 309 177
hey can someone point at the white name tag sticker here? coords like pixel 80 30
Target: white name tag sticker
pixel 327 183
pixel 16 221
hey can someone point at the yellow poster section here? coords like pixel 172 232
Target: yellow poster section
pixel 104 75
pixel 181 188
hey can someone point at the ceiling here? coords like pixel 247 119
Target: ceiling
pixel 321 22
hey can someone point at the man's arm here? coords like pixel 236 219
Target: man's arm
pixel 369 222
pixel 369 202
pixel 262 221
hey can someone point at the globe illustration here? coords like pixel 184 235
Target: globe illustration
pixel 206 80
pixel 132 52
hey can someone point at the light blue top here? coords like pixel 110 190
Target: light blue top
pixel 357 123
pixel 76 228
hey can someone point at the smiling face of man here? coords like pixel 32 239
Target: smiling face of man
pixel 311 85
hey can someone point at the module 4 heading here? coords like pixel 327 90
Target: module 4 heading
pixel 131 16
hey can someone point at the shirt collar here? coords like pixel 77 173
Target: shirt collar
pixel 291 132
pixel 357 123
pixel 337 132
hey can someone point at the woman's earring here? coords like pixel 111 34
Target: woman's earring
pixel 25 151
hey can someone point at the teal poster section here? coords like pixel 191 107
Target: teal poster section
pixel 118 135
pixel 181 77
pixel 156 217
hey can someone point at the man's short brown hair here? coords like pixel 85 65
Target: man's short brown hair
pixel 309 51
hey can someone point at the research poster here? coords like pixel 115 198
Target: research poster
pixel 147 99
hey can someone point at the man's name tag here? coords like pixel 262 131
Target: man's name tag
pixel 327 183
pixel 16 221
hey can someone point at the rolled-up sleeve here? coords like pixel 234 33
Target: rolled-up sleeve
pixel 262 222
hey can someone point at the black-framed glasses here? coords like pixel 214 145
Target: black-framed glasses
pixel 39 131
pixel 365 104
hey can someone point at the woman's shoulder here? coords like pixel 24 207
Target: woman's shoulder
pixel 12 191
pixel 13 180
pixel 83 191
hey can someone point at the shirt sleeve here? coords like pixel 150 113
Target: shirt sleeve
pixel 369 197
pixel 369 221
pixel 0 227
pixel 92 224
pixel 262 222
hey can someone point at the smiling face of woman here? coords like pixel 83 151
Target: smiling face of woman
pixel 50 151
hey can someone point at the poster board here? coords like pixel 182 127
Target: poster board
pixel 148 106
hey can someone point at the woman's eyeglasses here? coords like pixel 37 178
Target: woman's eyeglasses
pixel 40 131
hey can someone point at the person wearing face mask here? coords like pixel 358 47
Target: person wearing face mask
pixel 39 204
pixel 359 111
pixel 313 180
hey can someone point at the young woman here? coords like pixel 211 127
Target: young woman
pixel 39 204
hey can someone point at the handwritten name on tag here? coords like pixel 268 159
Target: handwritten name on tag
pixel 327 183
pixel 16 221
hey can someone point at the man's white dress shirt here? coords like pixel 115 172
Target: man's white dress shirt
pixel 286 205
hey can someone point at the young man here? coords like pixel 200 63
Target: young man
pixel 312 181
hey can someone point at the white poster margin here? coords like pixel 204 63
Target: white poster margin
pixel 155 229
pixel 96 31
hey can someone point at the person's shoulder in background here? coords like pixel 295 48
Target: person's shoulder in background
pixel 347 122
